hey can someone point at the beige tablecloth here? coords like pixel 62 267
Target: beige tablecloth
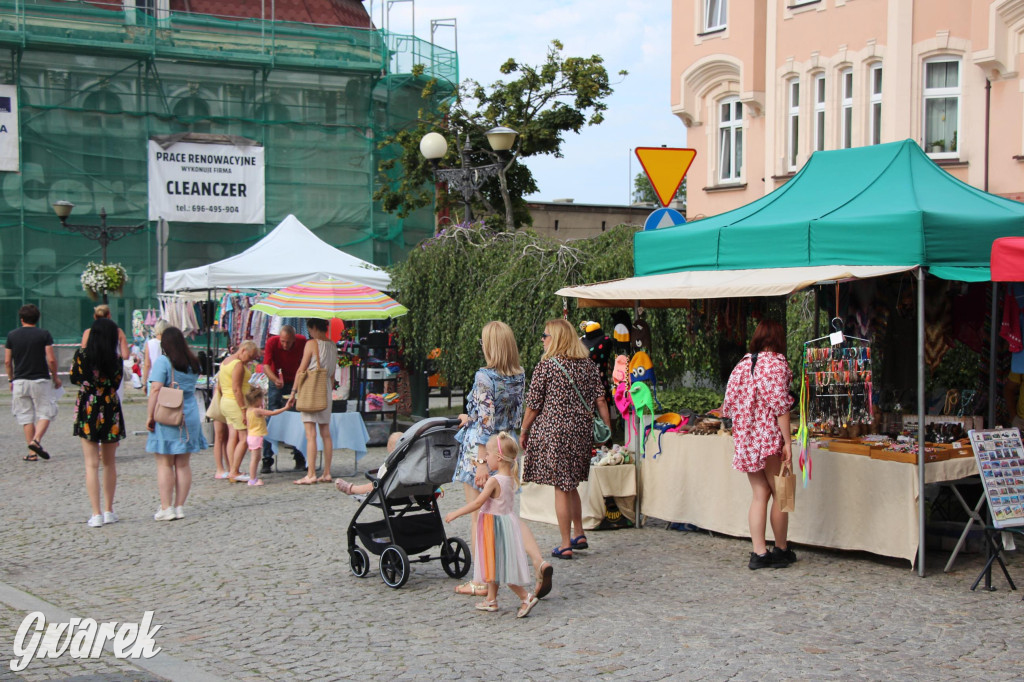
pixel 852 501
pixel 537 502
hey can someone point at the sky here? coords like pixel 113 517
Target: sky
pixel 628 34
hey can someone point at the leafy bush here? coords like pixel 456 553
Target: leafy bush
pixel 700 400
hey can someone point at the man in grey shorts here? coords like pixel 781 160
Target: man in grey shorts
pixel 31 368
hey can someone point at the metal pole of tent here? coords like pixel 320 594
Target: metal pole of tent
pixel 637 444
pixel 921 274
pixel 990 424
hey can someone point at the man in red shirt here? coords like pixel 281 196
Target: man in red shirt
pixel 281 358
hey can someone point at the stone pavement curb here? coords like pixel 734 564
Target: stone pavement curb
pixel 162 665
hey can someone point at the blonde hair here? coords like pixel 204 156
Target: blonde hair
pixel 255 396
pixel 102 310
pixel 564 343
pixel 249 345
pixel 508 450
pixel 500 350
pixel 160 327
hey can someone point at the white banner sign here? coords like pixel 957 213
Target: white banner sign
pixel 206 183
pixel 9 128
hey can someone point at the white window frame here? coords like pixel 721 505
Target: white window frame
pixel 819 112
pixel 730 130
pixel 875 79
pixel 792 123
pixel 715 13
pixel 846 108
pixel 942 93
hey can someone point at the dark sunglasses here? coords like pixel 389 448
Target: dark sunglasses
pixel 545 335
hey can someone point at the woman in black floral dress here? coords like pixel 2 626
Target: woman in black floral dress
pixel 97 371
pixel 557 432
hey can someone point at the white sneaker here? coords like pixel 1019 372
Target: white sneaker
pixel 95 521
pixel 164 515
pixel 110 517
pixel 179 512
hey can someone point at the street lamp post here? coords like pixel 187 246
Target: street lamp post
pixel 102 233
pixel 466 179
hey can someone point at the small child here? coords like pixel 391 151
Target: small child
pixel 499 545
pixel 256 419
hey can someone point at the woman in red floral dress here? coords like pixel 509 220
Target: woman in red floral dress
pixel 758 401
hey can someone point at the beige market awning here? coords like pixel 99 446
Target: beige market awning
pixel 670 290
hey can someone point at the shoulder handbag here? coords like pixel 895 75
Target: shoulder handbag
pixel 601 431
pixel 311 387
pixel 170 404
pixel 213 412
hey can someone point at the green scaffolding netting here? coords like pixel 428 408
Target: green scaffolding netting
pixel 95 84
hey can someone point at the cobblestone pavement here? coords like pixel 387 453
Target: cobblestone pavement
pixel 254 584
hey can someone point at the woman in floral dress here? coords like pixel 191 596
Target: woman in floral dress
pixel 758 401
pixel 97 371
pixel 558 429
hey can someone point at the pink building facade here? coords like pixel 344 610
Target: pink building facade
pixel 762 84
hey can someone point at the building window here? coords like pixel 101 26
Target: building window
pixel 846 132
pixel 603 225
pixel 556 226
pixel 941 106
pixel 730 140
pixel 193 114
pixel 819 112
pixel 876 104
pixel 714 14
pixel 793 123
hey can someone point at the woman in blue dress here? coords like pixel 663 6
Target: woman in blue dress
pixel 494 404
pixel 178 367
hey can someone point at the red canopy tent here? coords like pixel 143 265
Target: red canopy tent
pixel 1008 259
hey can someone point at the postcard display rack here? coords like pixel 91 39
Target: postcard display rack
pixel 1000 457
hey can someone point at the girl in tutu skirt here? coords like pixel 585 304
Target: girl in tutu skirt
pixel 498 549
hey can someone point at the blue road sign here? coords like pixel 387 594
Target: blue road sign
pixel 663 217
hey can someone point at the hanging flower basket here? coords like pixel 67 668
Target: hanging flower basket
pixel 98 279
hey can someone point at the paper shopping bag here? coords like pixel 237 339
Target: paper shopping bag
pixel 785 489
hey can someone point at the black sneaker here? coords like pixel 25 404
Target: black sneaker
pixel 760 561
pixel 268 466
pixel 783 557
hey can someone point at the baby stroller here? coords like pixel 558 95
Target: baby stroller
pixel 404 490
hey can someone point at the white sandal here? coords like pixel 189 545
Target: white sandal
pixel 528 604
pixel 489 605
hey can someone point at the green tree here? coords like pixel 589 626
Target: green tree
pixel 466 276
pixel 542 103
pixel 643 192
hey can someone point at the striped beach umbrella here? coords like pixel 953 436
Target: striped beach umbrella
pixel 331 298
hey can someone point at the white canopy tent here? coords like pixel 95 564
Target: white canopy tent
pixel 290 254
pixel 670 289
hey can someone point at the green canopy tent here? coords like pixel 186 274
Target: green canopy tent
pixel 849 213
pixel 886 204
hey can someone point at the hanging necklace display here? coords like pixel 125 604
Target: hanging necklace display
pixel 835 388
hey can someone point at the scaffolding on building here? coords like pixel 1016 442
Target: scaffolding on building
pixel 95 83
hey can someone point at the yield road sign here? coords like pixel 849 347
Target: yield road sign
pixel 665 168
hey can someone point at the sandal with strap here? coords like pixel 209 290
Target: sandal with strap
pixel 527 606
pixel 560 553
pixel 543 587
pixel 471 589
pixel 488 605
pixel 36 447
pixel 579 542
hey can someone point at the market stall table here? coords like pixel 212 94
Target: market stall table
pixel 537 502
pixel 347 431
pixel 853 502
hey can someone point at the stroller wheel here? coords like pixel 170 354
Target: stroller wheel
pixel 455 557
pixel 394 566
pixel 359 562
